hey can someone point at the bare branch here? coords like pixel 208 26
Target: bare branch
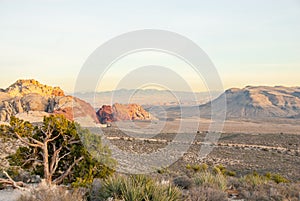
pixel 56 164
pixel 75 142
pixel 35 141
pixel 31 159
pixel 67 172
pixel 26 142
pixel 10 181
pixel 54 138
pixel 54 158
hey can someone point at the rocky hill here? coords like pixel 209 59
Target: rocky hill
pixel 120 112
pixel 259 102
pixel 31 100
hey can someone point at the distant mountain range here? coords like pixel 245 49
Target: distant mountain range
pixel 251 102
pixel 261 102
pixel 29 98
pixel 147 97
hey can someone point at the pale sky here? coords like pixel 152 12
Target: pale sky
pixel 251 42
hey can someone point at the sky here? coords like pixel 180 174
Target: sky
pixel 249 42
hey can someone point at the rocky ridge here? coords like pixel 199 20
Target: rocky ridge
pixel 259 102
pixel 30 99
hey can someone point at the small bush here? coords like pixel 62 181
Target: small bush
pixel 208 179
pixel 183 182
pixel 197 167
pixel 254 179
pixel 206 193
pixel 230 173
pixel 277 178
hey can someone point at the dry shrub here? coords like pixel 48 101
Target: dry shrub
pixel 206 194
pixel 183 182
pixel 53 193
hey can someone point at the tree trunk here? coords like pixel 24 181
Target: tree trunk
pixel 46 165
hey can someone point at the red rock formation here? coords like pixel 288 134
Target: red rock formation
pixel 105 114
pixel 67 112
pixel 120 112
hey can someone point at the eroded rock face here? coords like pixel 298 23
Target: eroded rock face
pixel 26 96
pixel 120 112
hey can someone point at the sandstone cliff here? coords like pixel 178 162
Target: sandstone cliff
pixel 29 98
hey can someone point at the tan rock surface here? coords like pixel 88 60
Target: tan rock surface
pixel 259 102
pixel 31 100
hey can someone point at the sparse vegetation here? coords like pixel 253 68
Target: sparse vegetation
pixel 198 167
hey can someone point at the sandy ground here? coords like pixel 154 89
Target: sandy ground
pixel 288 126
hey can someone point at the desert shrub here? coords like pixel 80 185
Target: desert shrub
pixel 209 179
pixel 277 178
pixel 206 194
pixel 183 182
pixel 230 173
pixel 220 169
pixel 254 179
pixel 55 193
pixel 198 167
pixel 137 187
pixel 162 170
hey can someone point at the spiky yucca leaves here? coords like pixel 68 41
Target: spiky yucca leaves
pixel 138 187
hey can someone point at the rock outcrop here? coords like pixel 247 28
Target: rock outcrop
pixel 27 98
pixel 259 102
pixel 23 87
pixel 105 114
pixel 121 112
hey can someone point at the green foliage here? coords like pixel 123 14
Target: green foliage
pixel 220 169
pixel 277 178
pixel 230 173
pixel 70 138
pixel 137 187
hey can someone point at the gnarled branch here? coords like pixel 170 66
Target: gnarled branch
pixel 67 172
